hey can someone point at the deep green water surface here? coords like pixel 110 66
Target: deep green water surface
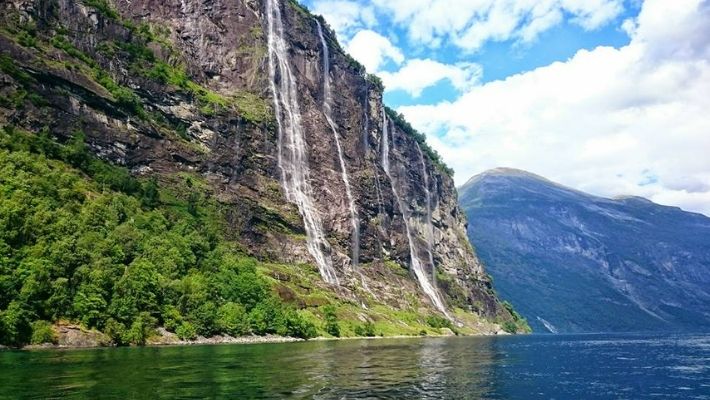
pixel 531 367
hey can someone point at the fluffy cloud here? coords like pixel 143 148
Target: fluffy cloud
pixel 345 16
pixel 470 24
pixel 418 74
pixel 632 120
pixel 467 24
pixel 373 50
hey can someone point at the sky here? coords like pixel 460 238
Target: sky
pixel 611 97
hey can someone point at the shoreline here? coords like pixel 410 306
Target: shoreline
pixel 229 340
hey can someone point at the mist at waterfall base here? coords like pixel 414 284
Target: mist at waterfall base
pixel 522 367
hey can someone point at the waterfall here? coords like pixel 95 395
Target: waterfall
pixel 385 142
pixel 417 266
pixel 366 131
pixel 292 157
pixel 327 99
pixel 429 224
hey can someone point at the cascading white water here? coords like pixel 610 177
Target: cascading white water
pixel 429 224
pixel 417 265
pixel 327 99
pixel 385 142
pixel 366 130
pixel 292 157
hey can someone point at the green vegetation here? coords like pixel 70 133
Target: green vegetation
pixel 331 321
pixel 438 322
pixel 124 96
pixel 517 324
pixel 375 82
pixel 43 332
pixel 62 43
pixel 103 7
pixel 7 65
pixel 301 9
pixel 420 138
pixel 84 241
pixel 141 61
pixel 365 330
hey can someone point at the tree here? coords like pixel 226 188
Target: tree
pixel 151 195
pixel 366 330
pixel 232 319
pixel 331 320
pixel 141 329
pixel 16 324
pixel 186 331
pixel 89 305
pixel 205 319
pixel 43 332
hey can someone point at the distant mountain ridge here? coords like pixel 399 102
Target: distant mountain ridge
pixel 574 262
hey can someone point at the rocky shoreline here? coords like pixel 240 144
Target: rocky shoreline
pixel 71 337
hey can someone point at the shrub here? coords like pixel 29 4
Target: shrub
pixel 16 325
pixel 265 318
pixel 331 321
pixel 436 321
pixel 26 39
pixel 366 330
pixel 205 319
pixel 171 318
pixel 103 7
pixel 43 332
pixel 510 327
pixel 116 331
pixel 232 319
pixel 141 329
pixel 186 331
pixel 295 325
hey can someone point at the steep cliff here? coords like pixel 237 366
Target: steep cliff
pixel 289 134
pixel 571 262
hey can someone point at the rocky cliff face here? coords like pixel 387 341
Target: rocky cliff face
pixel 171 87
pixel 574 262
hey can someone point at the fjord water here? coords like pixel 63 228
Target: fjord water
pixel 523 367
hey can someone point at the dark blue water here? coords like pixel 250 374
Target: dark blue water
pixel 527 367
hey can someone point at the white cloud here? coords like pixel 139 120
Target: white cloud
pixel 470 24
pixel 373 50
pixel 345 16
pixel 603 121
pixel 418 74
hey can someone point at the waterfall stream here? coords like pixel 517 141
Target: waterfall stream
pixel 292 155
pixel 429 224
pixel 327 110
pixel 417 266
pixel 385 142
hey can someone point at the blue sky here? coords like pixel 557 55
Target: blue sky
pixel 502 59
pixel 498 58
pixel 606 96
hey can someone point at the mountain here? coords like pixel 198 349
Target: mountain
pixel 573 262
pixel 253 110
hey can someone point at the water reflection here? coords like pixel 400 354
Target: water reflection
pixel 535 367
